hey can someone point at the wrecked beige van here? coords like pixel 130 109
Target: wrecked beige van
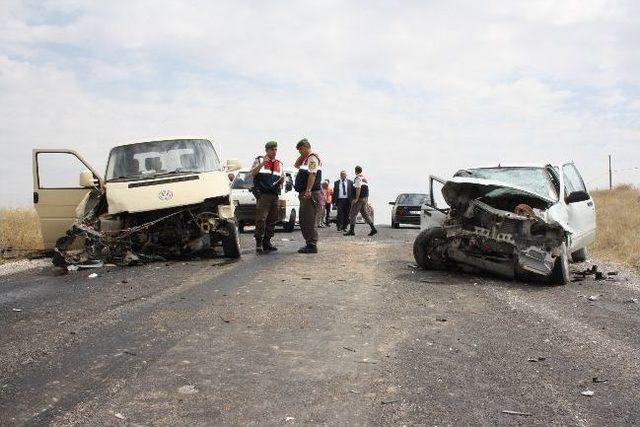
pixel 158 199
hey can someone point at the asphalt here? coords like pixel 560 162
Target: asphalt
pixel 354 335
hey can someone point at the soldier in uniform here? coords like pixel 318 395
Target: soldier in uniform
pixel 308 187
pixel 267 180
pixel 360 204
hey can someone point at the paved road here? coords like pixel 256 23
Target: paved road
pixel 352 336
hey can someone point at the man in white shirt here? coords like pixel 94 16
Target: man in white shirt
pixel 360 204
pixel 342 196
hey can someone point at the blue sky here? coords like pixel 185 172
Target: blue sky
pixel 406 89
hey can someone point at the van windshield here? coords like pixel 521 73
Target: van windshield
pixel 159 158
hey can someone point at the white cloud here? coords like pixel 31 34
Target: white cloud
pixel 404 89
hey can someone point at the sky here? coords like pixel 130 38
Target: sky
pixel 403 88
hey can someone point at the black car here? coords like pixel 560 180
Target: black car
pixel 406 209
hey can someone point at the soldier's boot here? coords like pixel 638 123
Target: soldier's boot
pixel 267 246
pixel 352 230
pixel 373 231
pixel 259 246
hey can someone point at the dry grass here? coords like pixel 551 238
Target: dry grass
pixel 618 216
pixel 19 232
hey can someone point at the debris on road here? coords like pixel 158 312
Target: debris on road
pixel 593 271
pixel 348 348
pixel 435 282
pixel 289 419
pixel 187 389
pixel 72 267
pixel 536 359
pixel 414 266
pixel 599 380
pixel 587 393
pixel 633 300
pixel 441 319
pixel 593 298
pixel 119 416
pixel 224 320
pixel 390 401
pixel 523 414
pixel 92 276
pixel 16 310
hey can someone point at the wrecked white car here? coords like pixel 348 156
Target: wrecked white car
pixel 518 222
pixel 158 199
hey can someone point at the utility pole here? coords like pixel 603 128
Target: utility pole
pixel 610 176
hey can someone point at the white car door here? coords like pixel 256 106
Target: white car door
pixel 580 208
pixel 435 208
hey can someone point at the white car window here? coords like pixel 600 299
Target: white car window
pixel 572 179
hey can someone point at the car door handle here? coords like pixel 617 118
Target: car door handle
pixel 36 197
pixel 590 204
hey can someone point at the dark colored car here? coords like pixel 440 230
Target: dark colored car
pixel 406 209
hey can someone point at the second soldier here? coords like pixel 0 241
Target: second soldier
pixel 267 181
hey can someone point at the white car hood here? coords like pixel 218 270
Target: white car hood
pixel 462 187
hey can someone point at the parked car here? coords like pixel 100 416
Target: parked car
pixel 406 209
pixel 157 199
pixel 245 201
pixel 515 221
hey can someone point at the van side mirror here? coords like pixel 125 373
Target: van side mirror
pixel 392 203
pixel 577 196
pixel 233 165
pixel 87 180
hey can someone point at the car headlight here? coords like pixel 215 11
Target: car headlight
pixel 225 211
pixel 236 202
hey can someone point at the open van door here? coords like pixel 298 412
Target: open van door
pixel 435 208
pixel 57 189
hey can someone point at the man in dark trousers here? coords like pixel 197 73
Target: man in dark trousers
pixel 360 204
pixel 267 180
pixel 308 185
pixel 342 196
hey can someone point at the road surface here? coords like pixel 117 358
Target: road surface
pixel 351 336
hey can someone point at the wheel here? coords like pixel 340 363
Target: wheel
pixel 231 242
pixel 241 226
pixel 429 249
pixel 580 255
pixel 560 273
pixel 395 224
pixel 291 224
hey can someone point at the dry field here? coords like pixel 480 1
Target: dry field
pixel 19 233
pixel 618 215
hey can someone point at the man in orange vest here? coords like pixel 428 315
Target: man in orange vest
pixel 267 180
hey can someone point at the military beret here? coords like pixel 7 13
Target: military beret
pixel 271 144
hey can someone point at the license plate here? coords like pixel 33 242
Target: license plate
pixel 414 212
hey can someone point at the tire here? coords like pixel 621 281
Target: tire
pixel 428 251
pixel 560 273
pixel 580 255
pixel 231 242
pixel 291 224
pixel 395 224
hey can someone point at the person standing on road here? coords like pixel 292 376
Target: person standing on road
pixel 360 204
pixel 308 187
pixel 267 180
pixel 328 200
pixel 342 197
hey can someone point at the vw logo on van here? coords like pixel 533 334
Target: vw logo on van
pixel 165 195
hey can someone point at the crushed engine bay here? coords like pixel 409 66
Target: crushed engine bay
pixel 133 238
pixel 505 230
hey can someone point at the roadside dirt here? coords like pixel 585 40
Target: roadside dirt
pixel 352 336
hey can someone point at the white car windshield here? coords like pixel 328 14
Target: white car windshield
pixel 533 179
pixel 158 158
pixel 243 181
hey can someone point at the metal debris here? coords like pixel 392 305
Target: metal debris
pixel 16 310
pixel 441 319
pixel 119 416
pixel 593 298
pixel 587 393
pixel 599 380
pixel 92 276
pixel 389 401
pixel 349 349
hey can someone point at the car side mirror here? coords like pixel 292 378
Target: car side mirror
pixel 392 203
pixel 87 180
pixel 577 196
pixel 233 165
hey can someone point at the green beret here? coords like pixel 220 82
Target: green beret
pixel 271 144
